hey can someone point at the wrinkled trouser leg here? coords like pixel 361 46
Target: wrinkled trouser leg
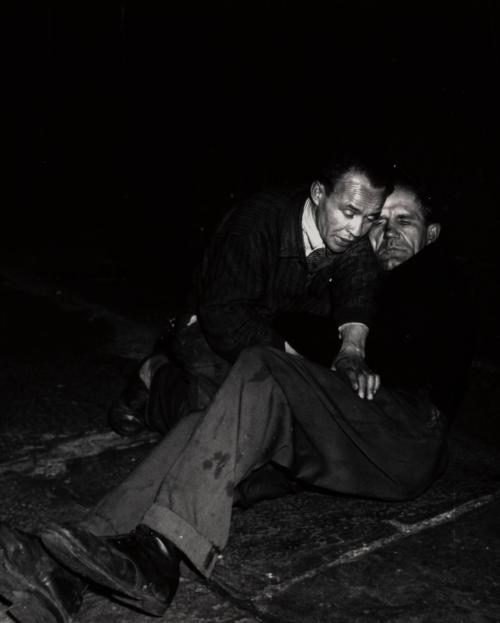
pixel 188 382
pixel 277 407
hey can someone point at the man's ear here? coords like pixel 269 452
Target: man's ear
pixel 317 192
pixel 433 231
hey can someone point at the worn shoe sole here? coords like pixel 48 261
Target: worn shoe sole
pixel 29 603
pixel 70 552
pixel 124 421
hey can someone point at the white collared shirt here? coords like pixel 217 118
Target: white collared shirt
pixel 310 232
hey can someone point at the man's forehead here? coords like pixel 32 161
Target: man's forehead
pixel 403 202
pixel 355 189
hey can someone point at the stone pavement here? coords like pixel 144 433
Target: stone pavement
pixel 310 557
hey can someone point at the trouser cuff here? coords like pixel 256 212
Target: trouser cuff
pixel 198 549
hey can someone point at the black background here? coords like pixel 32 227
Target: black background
pixel 135 124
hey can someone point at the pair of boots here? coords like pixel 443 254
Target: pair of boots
pixel 140 569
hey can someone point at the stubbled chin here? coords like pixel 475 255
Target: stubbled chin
pixel 390 258
pixel 390 263
pixel 336 247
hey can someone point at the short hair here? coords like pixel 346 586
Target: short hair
pixel 427 193
pixel 376 168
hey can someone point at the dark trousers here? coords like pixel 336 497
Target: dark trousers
pixel 188 383
pixel 195 372
pixel 281 408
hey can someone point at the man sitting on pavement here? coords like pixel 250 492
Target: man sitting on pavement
pixel 278 407
pixel 273 268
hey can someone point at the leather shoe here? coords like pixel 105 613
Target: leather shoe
pixel 38 587
pixel 141 568
pixel 127 414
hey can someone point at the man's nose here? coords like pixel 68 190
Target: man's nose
pixel 389 230
pixel 356 228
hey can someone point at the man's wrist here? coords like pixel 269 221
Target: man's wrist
pixel 351 350
pixel 353 336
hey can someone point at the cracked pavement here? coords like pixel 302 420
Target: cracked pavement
pixel 307 557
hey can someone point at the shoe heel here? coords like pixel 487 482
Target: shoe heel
pixel 153 607
pixel 32 609
pixel 148 606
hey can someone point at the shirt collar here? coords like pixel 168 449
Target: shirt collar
pixel 310 231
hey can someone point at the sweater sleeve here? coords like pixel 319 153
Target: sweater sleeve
pixel 232 307
pixel 423 335
pixel 356 280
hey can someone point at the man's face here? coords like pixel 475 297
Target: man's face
pixel 348 212
pixel 401 231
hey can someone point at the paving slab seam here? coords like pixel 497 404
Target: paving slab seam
pixel 133 339
pixel 53 461
pixel 403 531
pixel 246 605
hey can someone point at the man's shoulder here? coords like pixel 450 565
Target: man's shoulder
pixel 433 277
pixel 264 209
pixel 432 264
pixel 272 201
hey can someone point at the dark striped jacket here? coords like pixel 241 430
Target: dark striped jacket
pixel 255 270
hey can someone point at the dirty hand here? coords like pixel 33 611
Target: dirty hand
pixel 365 382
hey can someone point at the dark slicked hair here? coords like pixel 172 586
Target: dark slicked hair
pixel 427 192
pixel 376 168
